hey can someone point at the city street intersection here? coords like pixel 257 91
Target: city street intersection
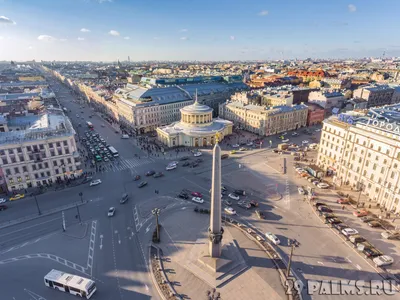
pixel 114 250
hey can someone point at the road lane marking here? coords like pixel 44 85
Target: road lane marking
pixel 101 241
pixel 320 262
pixel 34 295
pixel 91 247
pixel 358 267
pixel 11 232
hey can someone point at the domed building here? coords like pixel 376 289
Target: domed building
pixel 197 128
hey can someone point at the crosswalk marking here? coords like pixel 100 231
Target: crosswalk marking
pixel 125 164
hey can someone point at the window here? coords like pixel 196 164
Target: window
pixel 66 150
pixel 65 143
pixel 46 165
pixel 40 166
pixel 8 172
pixel 36 175
pixel 48 173
pixel 19 150
pixel 382 170
pixel 69 160
pixel 50 145
pixel 41 146
pixel 55 163
pixel 34 167
pixel 24 169
pixel 367 163
pixel 58 144
pixel 29 148
pixel 374 167
pixel 42 174
pixel 16 170
pixel 52 153
pixel 21 158
pixel 57 172
pixel 372 176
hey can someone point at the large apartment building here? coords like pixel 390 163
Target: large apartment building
pixel 38 150
pixel 264 120
pixel 377 95
pixel 364 153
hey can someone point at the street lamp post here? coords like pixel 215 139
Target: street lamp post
pixel 79 214
pixel 37 205
pixel 156 213
pixel 360 186
pixel 81 195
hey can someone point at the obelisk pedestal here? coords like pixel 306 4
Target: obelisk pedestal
pixel 215 231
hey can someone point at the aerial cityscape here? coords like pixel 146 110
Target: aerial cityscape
pixel 213 150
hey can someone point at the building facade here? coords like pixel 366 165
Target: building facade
pixel 375 95
pixel 316 114
pixel 263 120
pixel 41 152
pixel 326 99
pixel 363 154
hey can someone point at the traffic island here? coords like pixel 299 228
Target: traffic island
pixel 246 272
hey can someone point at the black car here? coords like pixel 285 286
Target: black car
pixel 223 156
pixel 240 192
pixel 194 165
pixel 142 184
pixel 184 158
pixel 185 164
pixel 158 174
pixel 3 207
pixel 323 208
pixel 183 195
pixel 150 173
pixel 124 198
pixel 316 204
pixel 334 220
pixel 371 252
pixel 199 160
pixel 340 226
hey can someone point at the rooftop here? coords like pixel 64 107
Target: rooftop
pixel 37 127
pixel 23 83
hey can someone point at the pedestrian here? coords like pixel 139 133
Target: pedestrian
pixel 342 207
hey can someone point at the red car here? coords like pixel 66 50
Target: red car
pixel 360 213
pixel 197 194
pixel 343 201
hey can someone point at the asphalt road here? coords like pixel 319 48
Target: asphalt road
pixel 119 242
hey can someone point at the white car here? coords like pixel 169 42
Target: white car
pixel 235 146
pixel 197 200
pixel 95 182
pixel 323 185
pixel 170 167
pixel 349 231
pixel 285 141
pixel 197 154
pixel 249 144
pixel 272 237
pixel 233 196
pixel 295 134
pixel 301 191
pixel 174 163
pixel 317 130
pixel 304 142
pixel 2 200
pixel 259 238
pixel 111 211
pixel 383 260
pixel 230 211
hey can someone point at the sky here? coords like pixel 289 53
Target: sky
pixel 108 30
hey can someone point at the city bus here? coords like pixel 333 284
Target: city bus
pixel 89 124
pixel 73 284
pixel 113 151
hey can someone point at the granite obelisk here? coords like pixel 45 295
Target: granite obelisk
pixel 215 231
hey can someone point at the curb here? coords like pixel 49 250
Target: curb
pixel 153 277
pixel 78 237
pixel 45 214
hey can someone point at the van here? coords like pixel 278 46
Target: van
pixel 125 136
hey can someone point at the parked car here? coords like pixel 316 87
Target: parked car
pixel 254 203
pixel 197 200
pixel 374 224
pixel 197 154
pixel 223 156
pixel 142 184
pixel 316 204
pixel 323 185
pixel 240 192
pixel 360 213
pixel 3 200
pixel 324 209
pixel 273 238
pixel 95 182
pixel 184 158
pixel 158 174
pixel 301 190
pixel 371 252
pixel 111 211
pixel 230 210
pixel 356 238
pixel 390 235
pixel 3 207
pixel 334 220
pixel 124 198
pixel 343 201
pixel 340 226
pixel 170 167
pixel 233 196
pixel 183 195
pixel 185 164
pixel 244 204
pixel 197 194
pixel 367 219
pixel 137 177
pixel 235 146
pixel 260 214
pixel 349 231
pixel 383 260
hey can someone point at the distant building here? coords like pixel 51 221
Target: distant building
pixel 326 99
pixel 316 114
pixel 355 104
pixel 277 99
pixel 336 84
pixel 377 95
pixel 263 120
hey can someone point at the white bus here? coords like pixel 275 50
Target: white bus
pixel 68 283
pixel 113 151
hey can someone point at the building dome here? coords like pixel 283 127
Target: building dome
pixel 196 114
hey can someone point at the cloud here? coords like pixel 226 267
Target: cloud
pixel 263 13
pixel 113 33
pixel 30 47
pixel 184 38
pixel 63 40
pixel 1 38
pixel 5 20
pixel 351 8
pixel 127 38
pixel 232 37
pixel 81 39
pixel 46 38
pixel 85 30
pixel 184 30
